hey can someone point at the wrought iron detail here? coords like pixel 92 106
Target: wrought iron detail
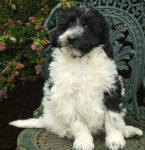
pixel 40 139
pixel 49 141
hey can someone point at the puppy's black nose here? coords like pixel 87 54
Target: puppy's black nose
pixel 71 40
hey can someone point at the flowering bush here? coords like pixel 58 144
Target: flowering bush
pixel 22 38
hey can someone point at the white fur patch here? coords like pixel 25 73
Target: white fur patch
pixel 79 86
pixel 74 105
pixel 113 125
pixel 72 32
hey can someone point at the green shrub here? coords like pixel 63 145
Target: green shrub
pixel 22 38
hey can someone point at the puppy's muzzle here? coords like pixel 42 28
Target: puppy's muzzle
pixel 70 36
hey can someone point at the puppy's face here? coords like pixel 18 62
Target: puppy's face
pixel 80 29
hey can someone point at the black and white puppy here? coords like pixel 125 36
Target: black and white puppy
pixel 83 95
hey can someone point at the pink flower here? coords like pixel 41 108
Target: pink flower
pixel 7 69
pixel 13 39
pixel 19 66
pixel 41 48
pixel 27 24
pixel 19 22
pixel 34 46
pixel 41 19
pixel 44 43
pixel 38 52
pixel 38 69
pixel 42 9
pixel 48 42
pixel 2 46
pixel 6 24
pixel 21 40
pixel 14 74
pixel 13 85
pixel 9 81
pixel 10 63
pixel 13 6
pixel 2 78
pixel 44 59
pixel 37 26
pixel 32 19
pixel 10 21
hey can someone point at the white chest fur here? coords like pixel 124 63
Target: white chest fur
pixel 79 84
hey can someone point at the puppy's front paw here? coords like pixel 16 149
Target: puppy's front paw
pixel 65 133
pixel 69 134
pixel 115 141
pixel 83 143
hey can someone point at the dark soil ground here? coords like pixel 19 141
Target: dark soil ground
pixel 20 104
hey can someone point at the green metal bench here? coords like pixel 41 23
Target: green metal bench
pixel 127 28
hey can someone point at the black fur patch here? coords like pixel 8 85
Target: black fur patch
pixel 113 99
pixel 96 31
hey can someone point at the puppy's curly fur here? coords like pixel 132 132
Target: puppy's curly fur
pixel 83 95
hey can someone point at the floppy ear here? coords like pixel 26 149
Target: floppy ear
pixel 101 28
pixel 107 45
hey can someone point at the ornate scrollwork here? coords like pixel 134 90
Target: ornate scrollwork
pixel 40 139
pixel 49 141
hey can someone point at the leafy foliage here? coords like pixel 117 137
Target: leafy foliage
pixel 22 38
